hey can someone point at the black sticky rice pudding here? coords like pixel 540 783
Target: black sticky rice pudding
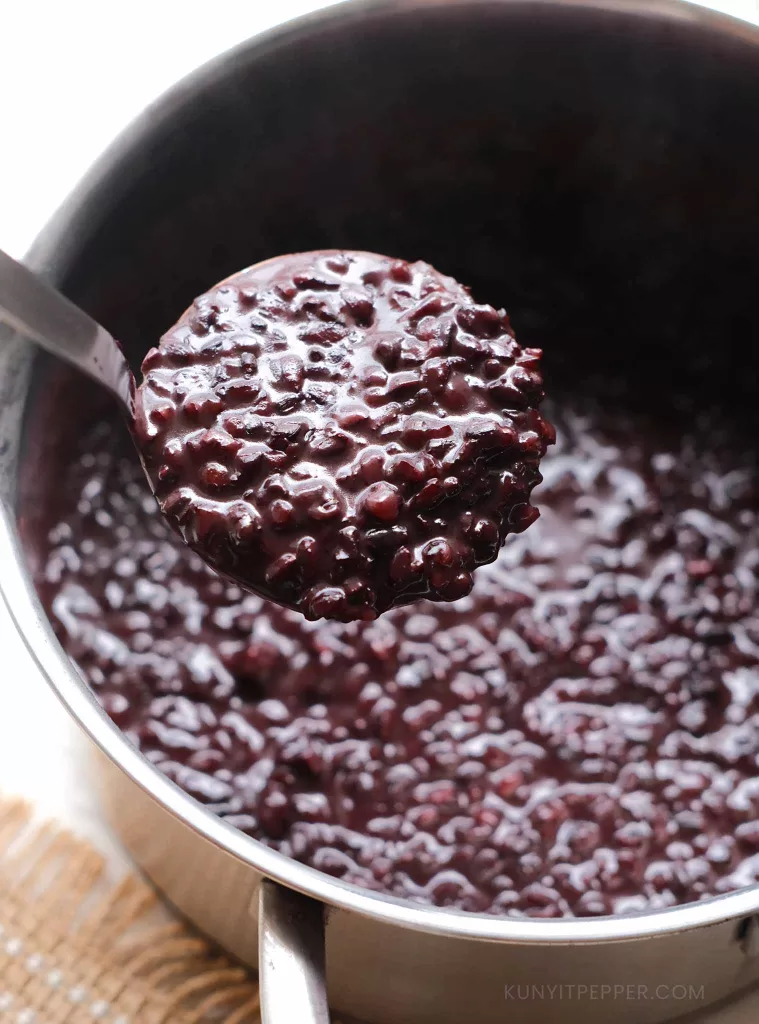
pixel 343 432
pixel 577 736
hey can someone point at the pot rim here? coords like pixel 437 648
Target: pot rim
pixel 51 254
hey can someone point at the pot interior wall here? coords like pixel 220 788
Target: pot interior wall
pixel 594 173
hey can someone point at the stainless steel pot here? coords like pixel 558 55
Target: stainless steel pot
pixel 571 148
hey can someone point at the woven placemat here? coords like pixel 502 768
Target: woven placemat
pixel 78 949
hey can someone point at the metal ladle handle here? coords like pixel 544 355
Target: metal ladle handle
pixel 291 960
pixel 32 308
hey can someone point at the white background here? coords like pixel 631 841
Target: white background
pixel 73 73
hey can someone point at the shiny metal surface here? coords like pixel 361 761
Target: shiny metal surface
pixel 388 960
pixel 291 957
pixel 41 314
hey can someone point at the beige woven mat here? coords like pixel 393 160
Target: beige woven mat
pixel 75 948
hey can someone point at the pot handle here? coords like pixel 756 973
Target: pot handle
pixel 291 958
